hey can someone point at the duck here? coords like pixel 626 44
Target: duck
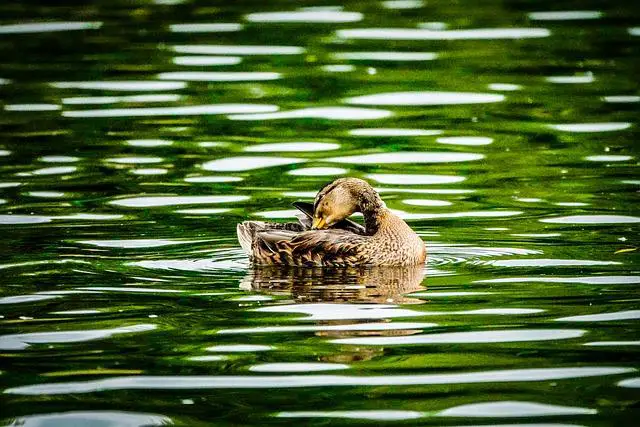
pixel 326 237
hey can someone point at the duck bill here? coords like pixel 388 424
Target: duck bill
pixel 318 223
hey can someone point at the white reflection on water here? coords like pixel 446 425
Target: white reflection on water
pixel 32 107
pixel 386 56
pixel 608 158
pixel 191 110
pixel 338 68
pixel 204 61
pixel 513 409
pixel 149 142
pixel 306 16
pixel 410 179
pixel 155 201
pixel 58 159
pixel 92 418
pixel 149 171
pixel 142 382
pixel 292 147
pixel 506 87
pixel 238 49
pixel 377 415
pixel 465 140
pixel 205 28
pixel 19 299
pixel 402 4
pixel 328 113
pixel 22 341
pixel 245 163
pixel 125 86
pixel 621 99
pixel 298 367
pixel 280 214
pixel 134 160
pixel 39 219
pixel 565 15
pixel 579 79
pixel 426 202
pixel 46 194
pixel 590 280
pixel 407 157
pixel 549 262
pixel 210 179
pixel 394 132
pixel 48 27
pixel 426 34
pixel 238 348
pixel 384 326
pixel 101 100
pixel 220 76
pixel 203 211
pixel 592 219
pixel 137 243
pixel 603 317
pixel 611 343
pixel 631 383
pixel 56 170
pixel 451 215
pixel 475 337
pixel 425 98
pixel 318 171
pixel 591 127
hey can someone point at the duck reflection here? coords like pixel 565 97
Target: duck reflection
pixel 387 285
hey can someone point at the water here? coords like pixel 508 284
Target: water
pixel 136 135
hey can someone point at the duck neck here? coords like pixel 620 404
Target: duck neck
pixel 372 208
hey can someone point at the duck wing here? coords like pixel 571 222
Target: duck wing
pixel 330 247
pixel 346 224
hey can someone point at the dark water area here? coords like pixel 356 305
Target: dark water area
pixel 135 135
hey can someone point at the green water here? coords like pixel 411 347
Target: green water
pixel 130 148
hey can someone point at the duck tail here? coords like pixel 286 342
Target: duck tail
pixel 246 232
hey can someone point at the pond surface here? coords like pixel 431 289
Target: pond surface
pixel 136 135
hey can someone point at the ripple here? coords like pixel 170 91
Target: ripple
pixel 32 107
pixel 137 243
pixel 306 16
pixel 631 383
pixel 408 157
pixel 603 317
pixel 206 61
pixel 327 113
pixel 155 201
pixel 220 76
pixel 23 341
pixel 134 160
pixel 338 68
pixel 608 158
pixel 385 56
pixel 238 50
pixel 245 163
pixel 92 418
pixel 4 153
pixel 191 110
pixel 377 415
pixel 476 337
pixel 401 179
pixel 591 127
pixel 239 348
pixel 206 211
pixel 541 262
pixel 318 171
pixel 205 28
pixel 611 343
pixel 279 214
pixel 426 34
pixel 46 194
pixel 565 15
pixel 425 98
pixel 513 409
pixel 451 215
pixel 298 367
pixel 125 86
pixel 325 328
pixel 465 140
pixel 342 311
pixel 292 147
pixel 186 382
pixel 56 170
pixel 149 171
pixel 93 100
pixel 48 27
pixel 393 132
pixel 592 219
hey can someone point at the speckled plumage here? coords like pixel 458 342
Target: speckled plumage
pixel 385 240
